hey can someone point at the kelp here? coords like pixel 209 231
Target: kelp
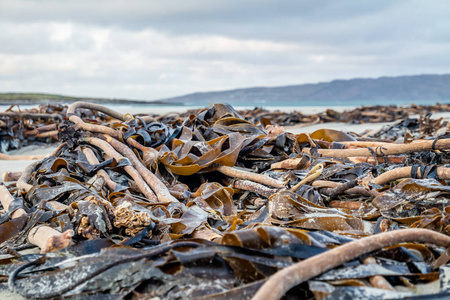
pixel 218 203
pixel 36 126
pixel 360 115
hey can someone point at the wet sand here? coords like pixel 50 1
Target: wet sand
pixel 20 165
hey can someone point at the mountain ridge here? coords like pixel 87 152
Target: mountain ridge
pixel 425 88
pixel 429 87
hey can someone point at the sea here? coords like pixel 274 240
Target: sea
pixel 283 106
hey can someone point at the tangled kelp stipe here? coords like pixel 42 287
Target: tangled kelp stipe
pixel 220 204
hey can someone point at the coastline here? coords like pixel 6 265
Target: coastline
pixel 20 165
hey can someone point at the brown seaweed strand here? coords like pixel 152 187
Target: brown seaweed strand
pixel 110 151
pixel 312 174
pixel 22 183
pixel 254 187
pixel 6 199
pixel 389 149
pixel 21 157
pixel 92 106
pixel 45 237
pixel 92 159
pixel 161 191
pixel 377 281
pixel 263 179
pixel 92 127
pixel 405 172
pixel 282 281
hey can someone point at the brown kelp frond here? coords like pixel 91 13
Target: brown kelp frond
pixel 217 203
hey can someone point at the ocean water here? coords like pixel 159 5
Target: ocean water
pixel 284 106
pixel 168 109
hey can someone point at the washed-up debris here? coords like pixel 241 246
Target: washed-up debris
pixel 36 126
pixel 360 115
pixel 214 206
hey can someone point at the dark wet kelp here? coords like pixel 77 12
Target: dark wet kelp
pixel 219 204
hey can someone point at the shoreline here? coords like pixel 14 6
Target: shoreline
pixel 20 165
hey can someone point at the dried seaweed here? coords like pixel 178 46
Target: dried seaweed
pixel 219 204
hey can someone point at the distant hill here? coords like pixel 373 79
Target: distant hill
pixel 32 98
pixel 383 90
pixel 424 89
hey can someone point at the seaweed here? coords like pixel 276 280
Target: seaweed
pixel 218 203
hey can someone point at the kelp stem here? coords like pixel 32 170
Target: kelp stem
pixel 289 164
pixel 49 239
pixel 388 149
pixel 235 173
pixel 109 150
pixel 45 237
pixel 161 191
pixel 6 199
pixel 80 104
pixel 92 159
pixel 405 172
pixel 371 160
pixel 378 281
pixel 279 283
pixel 11 176
pixel 254 187
pixel 22 183
pixel 93 128
pixel 4 156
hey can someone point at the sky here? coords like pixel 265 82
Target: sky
pixel 151 50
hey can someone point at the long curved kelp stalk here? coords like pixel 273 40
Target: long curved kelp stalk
pixel 279 283
pixel 212 203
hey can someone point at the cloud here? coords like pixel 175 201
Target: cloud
pixel 155 49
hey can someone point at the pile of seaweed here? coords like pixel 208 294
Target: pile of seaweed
pixel 35 126
pixel 213 206
pixel 360 115
pixel 38 126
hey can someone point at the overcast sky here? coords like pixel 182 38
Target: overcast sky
pixel 156 49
